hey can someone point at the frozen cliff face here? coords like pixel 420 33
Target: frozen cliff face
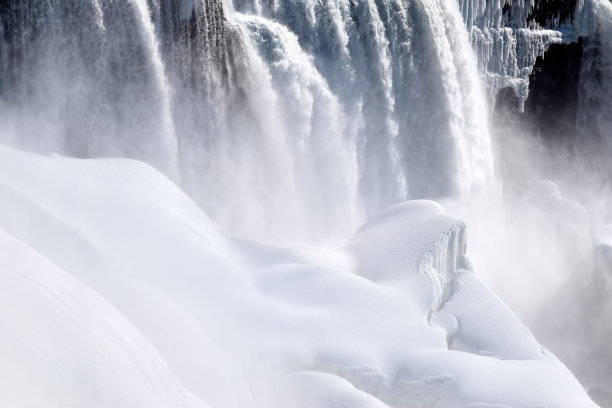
pixel 563 131
pixel 518 13
pixel 509 36
pixel 507 56
pixel 554 55
pixel 112 266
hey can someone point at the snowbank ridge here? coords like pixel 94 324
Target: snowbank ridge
pixel 359 327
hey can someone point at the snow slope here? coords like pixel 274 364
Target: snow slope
pixel 64 345
pixel 118 291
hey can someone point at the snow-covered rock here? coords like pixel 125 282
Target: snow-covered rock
pixel 63 345
pixel 150 304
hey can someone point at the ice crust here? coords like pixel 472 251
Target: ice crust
pixel 117 290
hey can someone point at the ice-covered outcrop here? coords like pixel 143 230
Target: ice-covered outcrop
pixel 563 132
pixel 439 253
pixel 518 13
pixel 508 55
pixel 394 317
pixel 509 36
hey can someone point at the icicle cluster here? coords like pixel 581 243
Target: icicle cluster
pixel 508 40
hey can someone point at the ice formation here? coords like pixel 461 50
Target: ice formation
pixel 507 42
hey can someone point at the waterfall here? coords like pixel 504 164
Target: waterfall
pixel 592 143
pixel 283 119
pixel 594 21
pixel 84 79
pixel 405 77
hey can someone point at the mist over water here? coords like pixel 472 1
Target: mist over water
pixel 295 121
pixel 306 111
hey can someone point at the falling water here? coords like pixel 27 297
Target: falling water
pixel 84 79
pixel 285 119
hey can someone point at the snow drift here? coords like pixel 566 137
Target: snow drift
pixel 118 290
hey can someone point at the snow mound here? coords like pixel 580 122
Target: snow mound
pixel 149 304
pixel 62 344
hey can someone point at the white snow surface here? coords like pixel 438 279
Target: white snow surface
pixel 117 290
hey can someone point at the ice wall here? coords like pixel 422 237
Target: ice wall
pixel 507 56
pixel 508 36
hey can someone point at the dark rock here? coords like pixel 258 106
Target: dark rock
pixel 552 103
pixel 506 107
pixel 545 13
pixel 552 13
